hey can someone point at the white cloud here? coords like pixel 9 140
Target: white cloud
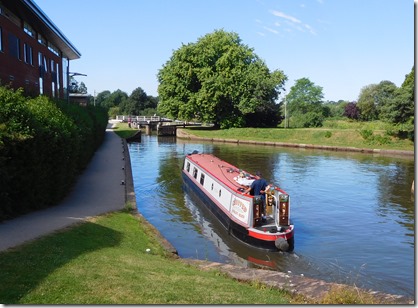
pixel 271 30
pixel 283 15
pixel 293 22
pixel 310 29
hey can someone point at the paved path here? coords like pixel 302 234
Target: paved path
pixel 98 190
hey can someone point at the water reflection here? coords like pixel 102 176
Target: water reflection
pixel 353 213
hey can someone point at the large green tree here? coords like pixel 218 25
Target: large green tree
pixel 219 80
pixel 304 104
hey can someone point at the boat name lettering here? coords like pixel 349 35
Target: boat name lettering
pixel 241 205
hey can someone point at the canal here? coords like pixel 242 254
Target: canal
pixel 353 213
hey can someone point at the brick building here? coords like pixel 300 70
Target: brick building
pixel 34 53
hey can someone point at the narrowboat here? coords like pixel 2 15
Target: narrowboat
pixel 222 188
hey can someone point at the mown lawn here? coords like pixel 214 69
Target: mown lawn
pixel 104 261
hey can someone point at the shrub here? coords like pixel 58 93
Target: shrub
pixel 309 119
pixel 43 147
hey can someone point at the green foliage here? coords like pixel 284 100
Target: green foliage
pixel 366 103
pixel 43 147
pixel 336 109
pixel 366 133
pixel 372 138
pixel 304 97
pixel 400 108
pixel 308 119
pixel 137 103
pixel 218 80
pixel 328 134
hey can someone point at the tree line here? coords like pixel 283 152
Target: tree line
pixel 220 80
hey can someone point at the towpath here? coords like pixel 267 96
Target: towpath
pixel 98 190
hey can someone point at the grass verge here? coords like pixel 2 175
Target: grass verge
pixel 124 131
pixel 105 261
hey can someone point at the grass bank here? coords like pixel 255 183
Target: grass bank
pixel 105 261
pixel 337 133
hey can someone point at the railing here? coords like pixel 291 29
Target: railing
pixel 126 118
pixel 152 120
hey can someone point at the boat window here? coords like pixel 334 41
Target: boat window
pixel 212 187
pixel 202 179
pixel 220 192
pixel 188 166
pixel 195 172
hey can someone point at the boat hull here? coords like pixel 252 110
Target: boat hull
pixel 261 240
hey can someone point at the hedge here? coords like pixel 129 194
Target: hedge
pixel 44 146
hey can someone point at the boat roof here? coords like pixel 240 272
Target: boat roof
pixel 220 169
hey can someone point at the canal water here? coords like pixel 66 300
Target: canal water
pixel 353 213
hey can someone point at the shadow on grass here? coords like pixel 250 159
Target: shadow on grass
pixel 24 267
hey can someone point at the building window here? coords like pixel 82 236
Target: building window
pixel 27 52
pixel 14 46
pixel 54 77
pixel 28 29
pixel 57 73
pixel 65 76
pixel 45 65
pixel 54 49
pixel 41 73
pixel 41 40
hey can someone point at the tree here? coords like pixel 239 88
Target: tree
pixel 75 87
pixel 82 88
pixel 335 109
pixel 400 108
pixel 351 111
pixel 305 97
pixel 219 80
pixel 114 99
pixel 138 102
pixel 101 97
pixel 367 103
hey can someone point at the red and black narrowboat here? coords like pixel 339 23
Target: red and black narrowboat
pixel 222 188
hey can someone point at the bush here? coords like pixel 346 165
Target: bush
pixel 43 147
pixel 309 119
pixel 371 138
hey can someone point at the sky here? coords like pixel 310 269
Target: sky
pixel 339 45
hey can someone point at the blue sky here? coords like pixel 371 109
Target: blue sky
pixel 340 45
